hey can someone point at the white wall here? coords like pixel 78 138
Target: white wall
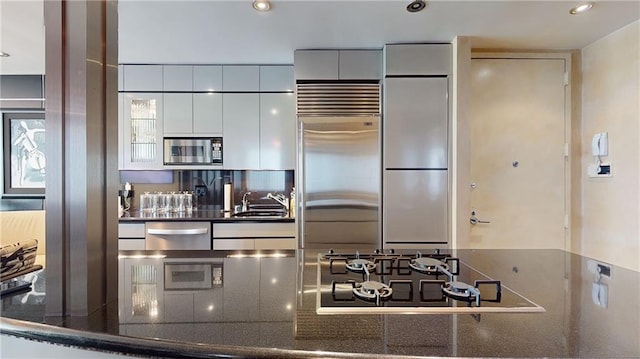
pixel 610 102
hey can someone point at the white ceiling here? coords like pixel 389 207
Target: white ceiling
pixel 226 32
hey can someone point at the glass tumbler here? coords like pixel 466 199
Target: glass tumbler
pixel 155 202
pixel 145 202
pixel 179 205
pixel 164 200
pixel 188 201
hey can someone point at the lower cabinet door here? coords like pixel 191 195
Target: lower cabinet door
pixel 415 207
pixel 275 243
pixel 233 243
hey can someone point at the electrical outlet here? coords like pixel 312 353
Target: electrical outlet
pixel 201 191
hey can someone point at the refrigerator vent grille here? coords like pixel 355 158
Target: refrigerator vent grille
pixel 324 99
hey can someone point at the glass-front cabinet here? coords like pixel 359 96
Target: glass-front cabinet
pixel 141 123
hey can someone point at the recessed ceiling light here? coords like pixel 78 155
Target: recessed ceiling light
pixel 4 54
pixel 261 5
pixel 416 5
pixel 581 8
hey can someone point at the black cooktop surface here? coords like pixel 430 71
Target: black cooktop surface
pixel 409 282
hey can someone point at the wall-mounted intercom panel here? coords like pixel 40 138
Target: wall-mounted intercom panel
pixel 600 144
pixel 599 149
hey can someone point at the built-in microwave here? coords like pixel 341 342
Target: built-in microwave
pixel 193 150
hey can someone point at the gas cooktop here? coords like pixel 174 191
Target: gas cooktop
pixel 409 282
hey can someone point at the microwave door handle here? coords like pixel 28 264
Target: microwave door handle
pixel 174 232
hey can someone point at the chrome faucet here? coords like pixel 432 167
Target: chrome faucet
pixel 245 201
pixel 281 199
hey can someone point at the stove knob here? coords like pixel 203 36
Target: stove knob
pixel 330 251
pixel 392 251
pixel 377 251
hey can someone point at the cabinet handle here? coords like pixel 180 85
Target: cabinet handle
pixel 173 232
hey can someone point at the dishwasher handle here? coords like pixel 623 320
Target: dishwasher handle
pixel 177 232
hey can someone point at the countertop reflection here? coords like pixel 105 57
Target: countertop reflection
pixel 270 301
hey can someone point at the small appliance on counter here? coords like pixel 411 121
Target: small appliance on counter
pixel 124 198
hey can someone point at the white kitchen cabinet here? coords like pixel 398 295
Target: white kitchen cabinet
pixel 277 131
pixel 131 236
pixel 178 114
pixel 416 122
pixel 338 64
pixel 254 235
pixel 192 114
pixel 120 78
pixel 207 114
pixel 277 78
pixel 142 133
pixel 418 59
pixel 241 78
pixel 241 130
pixel 142 77
pixel 177 78
pixel 316 64
pixel 120 131
pixel 207 78
pixel 415 207
pixel 360 65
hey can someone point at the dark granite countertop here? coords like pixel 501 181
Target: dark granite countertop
pixel 208 213
pixel 266 308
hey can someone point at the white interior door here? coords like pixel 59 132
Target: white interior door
pixel 517 153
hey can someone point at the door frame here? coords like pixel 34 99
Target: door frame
pixel 463 226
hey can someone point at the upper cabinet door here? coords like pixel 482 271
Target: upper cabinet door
pixel 207 78
pixel 177 78
pixel 241 123
pixel 277 131
pixel 316 64
pixel 120 78
pixel 207 114
pixel 360 64
pixel 142 77
pixel 415 123
pixel 142 131
pixel 418 59
pixel 241 78
pixel 276 78
pixel 178 112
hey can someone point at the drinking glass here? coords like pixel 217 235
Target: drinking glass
pixel 155 202
pixel 163 202
pixel 179 205
pixel 188 201
pixel 145 202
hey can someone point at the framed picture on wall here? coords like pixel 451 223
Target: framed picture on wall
pixel 24 160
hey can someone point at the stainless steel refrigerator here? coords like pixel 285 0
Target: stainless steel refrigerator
pixel 339 181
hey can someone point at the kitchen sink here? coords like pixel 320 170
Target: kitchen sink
pixel 259 213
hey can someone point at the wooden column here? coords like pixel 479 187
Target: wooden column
pixel 82 178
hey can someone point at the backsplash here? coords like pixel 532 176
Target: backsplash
pixel 210 184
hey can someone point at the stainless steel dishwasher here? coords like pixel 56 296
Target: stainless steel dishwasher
pixel 178 235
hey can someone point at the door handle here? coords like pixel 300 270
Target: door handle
pixel 474 220
pixel 173 232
